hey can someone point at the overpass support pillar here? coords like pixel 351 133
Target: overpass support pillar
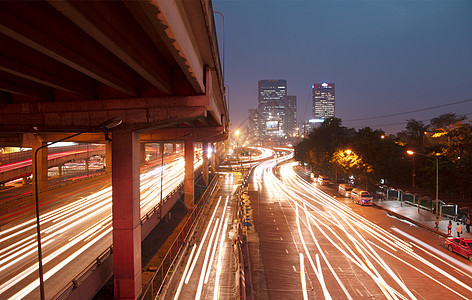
pixel 174 148
pixel 126 215
pixel 59 170
pixel 213 159
pixel 108 157
pixel 189 188
pixel 87 165
pixel 205 162
pixel 142 152
pixel 220 150
pixel 42 164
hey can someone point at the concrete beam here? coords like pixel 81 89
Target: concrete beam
pixel 165 18
pixel 36 38
pixel 117 39
pixel 179 134
pixel 141 114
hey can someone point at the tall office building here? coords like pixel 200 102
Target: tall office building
pixel 292 118
pixel 254 124
pixel 273 107
pixel 323 101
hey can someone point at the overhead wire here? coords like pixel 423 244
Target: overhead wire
pixel 409 112
pixel 400 123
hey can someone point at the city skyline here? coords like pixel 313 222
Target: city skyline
pixel 384 56
pixel 275 113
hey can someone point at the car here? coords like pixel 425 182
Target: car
pixel 460 245
pixel 323 180
pixel 361 197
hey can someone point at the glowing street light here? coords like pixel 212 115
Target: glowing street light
pixel 410 152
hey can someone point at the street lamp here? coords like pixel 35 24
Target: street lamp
pixel 223 18
pixel 437 178
pixel 105 127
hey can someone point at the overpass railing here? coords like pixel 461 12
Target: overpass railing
pixel 83 275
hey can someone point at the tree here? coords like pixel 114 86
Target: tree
pixel 413 136
pixel 323 142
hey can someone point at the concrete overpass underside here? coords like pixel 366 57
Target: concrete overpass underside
pixel 67 67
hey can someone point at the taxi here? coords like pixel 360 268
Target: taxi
pixel 460 245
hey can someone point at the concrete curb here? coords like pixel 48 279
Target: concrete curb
pixel 409 220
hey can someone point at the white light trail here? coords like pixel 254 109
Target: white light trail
pixel 351 235
pixel 219 265
pixel 303 278
pixel 207 275
pixel 61 227
pixel 182 279
pixel 187 278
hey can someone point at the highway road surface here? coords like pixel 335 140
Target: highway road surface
pixel 309 245
pixel 207 268
pixel 76 227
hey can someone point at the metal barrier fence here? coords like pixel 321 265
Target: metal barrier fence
pixel 82 276
pixel 155 284
pixel 244 281
pixel 423 202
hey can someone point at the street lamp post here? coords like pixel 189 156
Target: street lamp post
pixel 223 23
pixel 107 125
pixel 437 178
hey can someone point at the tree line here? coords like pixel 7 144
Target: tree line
pixel 369 155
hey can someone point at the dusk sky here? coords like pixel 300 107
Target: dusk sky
pixel 385 57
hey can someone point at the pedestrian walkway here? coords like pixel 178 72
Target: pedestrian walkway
pixel 424 218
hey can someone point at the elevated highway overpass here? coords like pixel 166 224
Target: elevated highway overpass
pixel 69 66
pixel 21 165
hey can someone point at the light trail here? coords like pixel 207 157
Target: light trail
pixel 71 229
pixel 303 278
pixel 187 266
pixel 219 267
pixel 357 239
pixel 204 256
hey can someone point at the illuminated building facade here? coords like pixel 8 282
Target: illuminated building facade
pixel 273 108
pixel 292 117
pixel 323 101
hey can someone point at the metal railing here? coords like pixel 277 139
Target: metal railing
pixel 82 276
pixel 244 266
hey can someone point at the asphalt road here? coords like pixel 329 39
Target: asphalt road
pixel 76 227
pixel 207 268
pixel 310 245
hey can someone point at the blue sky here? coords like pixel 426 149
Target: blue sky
pixel 385 57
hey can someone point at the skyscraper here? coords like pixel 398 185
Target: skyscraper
pixel 323 101
pixel 292 117
pixel 273 107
